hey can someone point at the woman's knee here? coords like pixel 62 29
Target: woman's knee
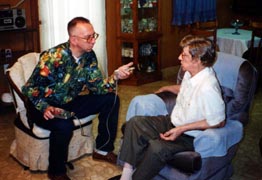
pixel 155 149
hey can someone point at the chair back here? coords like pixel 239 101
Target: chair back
pixel 207 25
pixel 207 30
pixel 256 49
pixel 17 76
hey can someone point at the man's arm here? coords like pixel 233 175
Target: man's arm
pixel 38 87
pixel 173 133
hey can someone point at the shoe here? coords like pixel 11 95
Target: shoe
pixel 58 177
pixel 110 157
pixel 115 177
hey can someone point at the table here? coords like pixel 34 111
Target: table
pixel 232 43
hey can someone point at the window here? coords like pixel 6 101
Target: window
pixel 191 11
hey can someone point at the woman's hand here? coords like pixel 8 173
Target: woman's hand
pixel 172 88
pixel 172 134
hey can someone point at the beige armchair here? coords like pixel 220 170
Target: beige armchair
pixel 31 144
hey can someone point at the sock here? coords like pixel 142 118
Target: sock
pixel 104 153
pixel 127 173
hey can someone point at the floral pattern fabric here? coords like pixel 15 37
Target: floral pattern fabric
pixel 58 79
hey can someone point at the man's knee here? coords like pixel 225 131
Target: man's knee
pixel 63 126
pixel 112 98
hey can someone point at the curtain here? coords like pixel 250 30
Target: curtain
pixel 55 14
pixel 191 11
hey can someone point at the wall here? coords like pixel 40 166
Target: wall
pixel 15 41
pixel 19 41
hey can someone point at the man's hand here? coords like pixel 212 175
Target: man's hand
pixel 124 71
pixel 50 111
pixel 171 135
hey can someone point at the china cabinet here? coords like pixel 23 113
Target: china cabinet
pixel 138 39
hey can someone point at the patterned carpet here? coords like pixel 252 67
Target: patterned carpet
pixel 247 163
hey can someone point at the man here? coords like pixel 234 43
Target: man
pixel 67 77
pixel 150 141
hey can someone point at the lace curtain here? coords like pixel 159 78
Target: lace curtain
pixel 191 11
pixel 55 14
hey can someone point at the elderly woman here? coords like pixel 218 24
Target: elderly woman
pixel 150 141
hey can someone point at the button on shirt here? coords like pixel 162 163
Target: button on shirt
pixel 199 99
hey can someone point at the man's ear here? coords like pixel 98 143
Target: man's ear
pixel 72 40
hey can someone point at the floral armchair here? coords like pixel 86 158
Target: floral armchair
pixel 31 144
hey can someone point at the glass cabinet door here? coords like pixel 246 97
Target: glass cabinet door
pixel 147 15
pixel 147 56
pixel 139 38
pixel 127 52
pixel 126 16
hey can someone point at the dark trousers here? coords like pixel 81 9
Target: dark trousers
pixel 107 106
pixel 143 148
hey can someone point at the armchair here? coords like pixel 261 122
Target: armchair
pixel 215 148
pixel 31 144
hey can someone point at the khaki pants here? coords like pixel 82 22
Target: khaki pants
pixel 143 148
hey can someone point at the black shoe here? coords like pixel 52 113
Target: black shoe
pixel 115 177
pixel 110 157
pixel 58 177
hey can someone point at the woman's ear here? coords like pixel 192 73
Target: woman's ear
pixel 196 60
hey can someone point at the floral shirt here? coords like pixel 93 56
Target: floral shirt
pixel 58 79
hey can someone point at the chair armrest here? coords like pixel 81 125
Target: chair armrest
pixel 15 89
pixel 188 161
pixel 217 141
pixel 169 98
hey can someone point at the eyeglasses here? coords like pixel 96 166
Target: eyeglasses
pixel 183 54
pixel 89 38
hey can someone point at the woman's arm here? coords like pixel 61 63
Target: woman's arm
pixel 173 133
pixel 172 88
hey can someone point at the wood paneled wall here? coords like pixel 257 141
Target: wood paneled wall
pixel 15 41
